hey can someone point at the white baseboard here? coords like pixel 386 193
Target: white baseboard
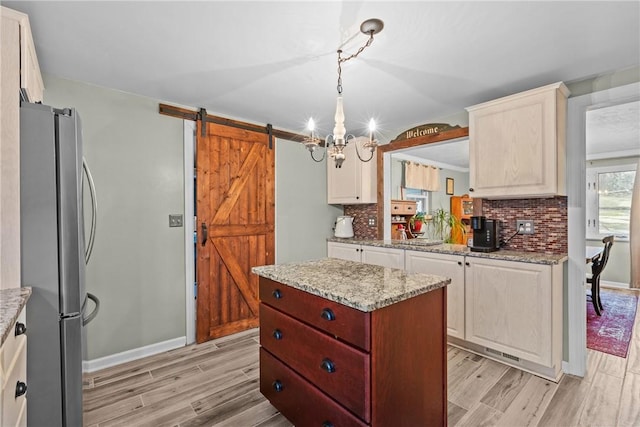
pixel 607 284
pixel 133 354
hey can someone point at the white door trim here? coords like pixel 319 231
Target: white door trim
pixel 189 230
pixel 576 176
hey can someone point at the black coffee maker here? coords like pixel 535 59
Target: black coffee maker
pixel 486 234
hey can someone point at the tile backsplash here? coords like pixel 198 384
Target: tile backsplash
pixel 550 223
pixel 549 216
pixel 361 214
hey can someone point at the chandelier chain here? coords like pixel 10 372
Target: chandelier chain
pixel 347 58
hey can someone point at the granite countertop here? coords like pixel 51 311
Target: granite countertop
pixel 11 303
pixel 364 287
pixel 425 245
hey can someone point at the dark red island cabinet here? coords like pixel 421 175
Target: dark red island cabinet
pixel 326 364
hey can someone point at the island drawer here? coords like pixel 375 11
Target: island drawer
pixel 345 323
pixel 338 369
pixel 315 409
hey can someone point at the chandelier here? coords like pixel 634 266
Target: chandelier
pixel 336 142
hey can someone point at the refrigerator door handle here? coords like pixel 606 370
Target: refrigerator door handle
pixel 94 313
pixel 94 211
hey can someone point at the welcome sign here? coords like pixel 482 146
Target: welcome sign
pixel 424 130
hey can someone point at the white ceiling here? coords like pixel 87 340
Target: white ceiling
pixel 275 62
pixel 613 131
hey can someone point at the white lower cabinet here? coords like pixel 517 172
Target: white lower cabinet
pixel 509 311
pixel 385 257
pixel 344 251
pixel 515 308
pixel 514 311
pixel 13 377
pixel 451 266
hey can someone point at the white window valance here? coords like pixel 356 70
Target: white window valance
pixel 420 176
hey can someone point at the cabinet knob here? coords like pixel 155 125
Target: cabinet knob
pixel 21 388
pixel 277 334
pixel 276 294
pixel 467 264
pixel 471 189
pixel 21 328
pixel 459 262
pixel 328 366
pixel 327 314
pixel 277 386
pixel 327 424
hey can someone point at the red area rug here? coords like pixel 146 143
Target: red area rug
pixel 611 332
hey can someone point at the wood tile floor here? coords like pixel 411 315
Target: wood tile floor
pixel 216 384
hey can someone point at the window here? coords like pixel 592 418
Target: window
pixel 420 196
pixel 608 207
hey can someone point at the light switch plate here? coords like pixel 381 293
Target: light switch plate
pixel 175 220
pixel 525 226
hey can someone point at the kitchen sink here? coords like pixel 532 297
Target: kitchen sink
pixel 418 242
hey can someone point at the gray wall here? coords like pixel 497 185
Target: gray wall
pixel 304 220
pixel 137 267
pixel 440 199
pixel 396 178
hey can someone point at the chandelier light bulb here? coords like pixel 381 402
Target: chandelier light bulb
pixel 311 125
pixel 372 128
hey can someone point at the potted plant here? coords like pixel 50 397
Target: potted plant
pixel 416 221
pixel 442 223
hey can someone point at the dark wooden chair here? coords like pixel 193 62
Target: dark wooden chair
pixel 596 271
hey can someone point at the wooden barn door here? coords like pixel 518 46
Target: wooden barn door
pixel 235 201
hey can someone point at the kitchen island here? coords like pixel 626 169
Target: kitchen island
pixel 345 343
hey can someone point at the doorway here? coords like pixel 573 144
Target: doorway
pixel 229 207
pixel 575 348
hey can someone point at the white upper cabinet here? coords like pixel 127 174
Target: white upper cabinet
pixel 353 183
pixel 517 145
pixel 31 82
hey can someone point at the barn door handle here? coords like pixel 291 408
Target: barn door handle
pixel 205 234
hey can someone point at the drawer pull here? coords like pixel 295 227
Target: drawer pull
pixel 327 314
pixel 276 294
pixel 20 328
pixel 277 334
pixel 328 366
pixel 327 424
pixel 277 386
pixel 21 388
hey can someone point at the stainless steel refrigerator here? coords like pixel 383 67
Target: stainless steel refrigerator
pixel 54 256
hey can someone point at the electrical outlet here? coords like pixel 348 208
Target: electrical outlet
pixel 175 220
pixel 372 221
pixel 524 226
